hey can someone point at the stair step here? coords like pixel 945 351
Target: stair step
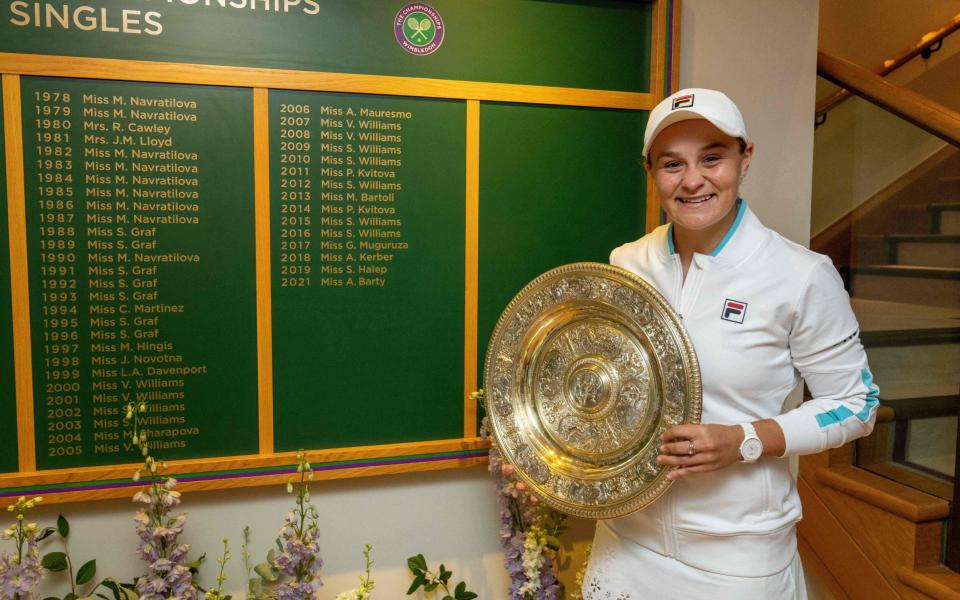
pixel 910 337
pixel 882 315
pixel 934 286
pixel 945 217
pixel 871 249
pixel 907 218
pixel 948 188
pixel 925 407
pixel 925 432
pixel 937 581
pixel 929 250
pixel 921 370
pixel 887 495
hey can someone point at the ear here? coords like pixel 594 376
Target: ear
pixel 745 161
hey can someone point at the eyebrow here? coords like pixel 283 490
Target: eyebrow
pixel 703 149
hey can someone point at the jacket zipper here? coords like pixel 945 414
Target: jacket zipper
pixel 670 541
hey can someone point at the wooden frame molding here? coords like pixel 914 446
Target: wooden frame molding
pixel 163 72
pixel 89 483
pixel 261 186
pixel 471 269
pixel 17 222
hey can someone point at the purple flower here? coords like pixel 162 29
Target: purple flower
pixel 168 576
pixel 19 578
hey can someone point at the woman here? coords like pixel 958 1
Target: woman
pixel 762 312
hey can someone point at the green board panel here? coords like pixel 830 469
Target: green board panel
pixel 557 185
pixel 8 402
pixel 141 268
pixel 600 44
pixel 367 229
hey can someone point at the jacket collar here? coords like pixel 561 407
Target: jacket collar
pixel 744 237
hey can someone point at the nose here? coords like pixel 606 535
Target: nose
pixel 692 179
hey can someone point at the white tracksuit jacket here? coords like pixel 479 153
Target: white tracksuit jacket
pixel 762 312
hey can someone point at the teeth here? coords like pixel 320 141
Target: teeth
pixel 696 199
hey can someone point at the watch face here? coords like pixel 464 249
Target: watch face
pixel 751 449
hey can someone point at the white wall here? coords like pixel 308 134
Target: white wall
pixel 762 54
pixel 860 150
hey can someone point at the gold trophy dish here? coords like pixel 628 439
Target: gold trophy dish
pixel 587 367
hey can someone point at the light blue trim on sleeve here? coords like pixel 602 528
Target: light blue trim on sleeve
pixel 741 209
pixel 670 247
pixel 842 413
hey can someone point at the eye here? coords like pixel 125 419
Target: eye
pixel 711 159
pixel 671 165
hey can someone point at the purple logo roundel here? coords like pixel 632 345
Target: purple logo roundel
pixel 418 29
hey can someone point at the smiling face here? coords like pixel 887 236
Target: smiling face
pixel 697 169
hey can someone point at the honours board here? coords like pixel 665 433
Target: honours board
pixel 304 247
pixel 367 226
pixel 559 185
pixel 140 242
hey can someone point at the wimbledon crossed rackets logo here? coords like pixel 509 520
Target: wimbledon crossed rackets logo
pixel 418 29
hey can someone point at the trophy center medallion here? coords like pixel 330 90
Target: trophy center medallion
pixel 588 388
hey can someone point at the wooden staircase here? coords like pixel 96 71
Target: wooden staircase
pixel 877 530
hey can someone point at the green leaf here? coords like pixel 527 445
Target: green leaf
pixel 431 586
pixel 55 561
pixel 448 597
pixel 266 572
pixel 552 542
pixel 62 526
pixel 421 562
pixel 417 563
pixel 416 583
pixel 47 532
pixel 86 572
pixel 71 596
pixel 467 596
pixel 114 587
pixel 128 593
pixel 271 556
pixel 99 595
pixel 461 588
pixel 444 574
pixel 51 598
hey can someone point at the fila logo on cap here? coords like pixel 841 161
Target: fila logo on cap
pixel 683 102
pixel 734 310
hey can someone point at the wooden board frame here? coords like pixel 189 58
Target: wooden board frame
pixel 270 467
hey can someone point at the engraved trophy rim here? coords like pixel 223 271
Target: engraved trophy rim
pixel 573 355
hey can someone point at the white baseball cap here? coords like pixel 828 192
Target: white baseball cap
pixel 695 103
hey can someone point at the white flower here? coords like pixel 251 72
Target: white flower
pixel 533 544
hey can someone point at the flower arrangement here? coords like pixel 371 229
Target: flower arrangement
pixel 170 575
pixel 293 568
pixel 529 532
pixel 21 572
pixel 366 583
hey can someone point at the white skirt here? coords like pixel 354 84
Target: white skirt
pixel 622 570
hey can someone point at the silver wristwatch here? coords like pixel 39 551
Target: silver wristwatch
pixel 751 448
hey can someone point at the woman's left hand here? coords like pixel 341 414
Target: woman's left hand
pixel 699 448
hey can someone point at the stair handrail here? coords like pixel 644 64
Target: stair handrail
pixel 924 46
pixel 927 114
